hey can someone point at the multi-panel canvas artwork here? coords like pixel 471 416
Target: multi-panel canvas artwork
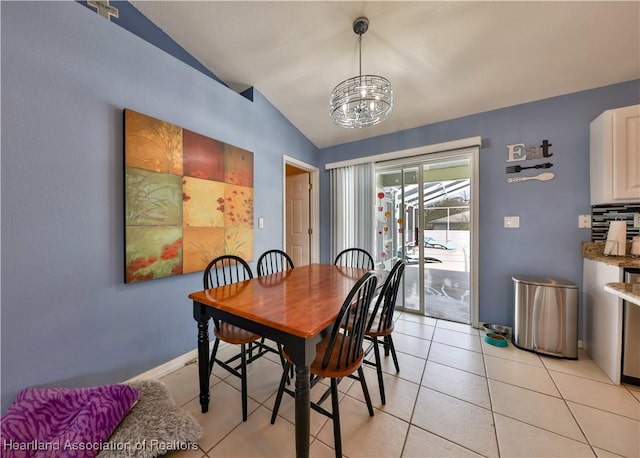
pixel 188 198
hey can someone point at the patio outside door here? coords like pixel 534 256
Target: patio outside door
pixel 424 216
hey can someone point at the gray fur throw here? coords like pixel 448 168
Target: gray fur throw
pixel 153 427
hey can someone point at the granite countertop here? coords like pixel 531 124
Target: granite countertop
pixel 595 250
pixel 627 291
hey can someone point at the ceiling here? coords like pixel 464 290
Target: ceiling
pixel 445 59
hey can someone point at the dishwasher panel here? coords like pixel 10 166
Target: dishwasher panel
pixel 631 335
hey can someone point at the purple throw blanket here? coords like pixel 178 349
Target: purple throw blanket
pixel 63 422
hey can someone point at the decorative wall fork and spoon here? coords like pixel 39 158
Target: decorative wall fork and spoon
pixel 544 176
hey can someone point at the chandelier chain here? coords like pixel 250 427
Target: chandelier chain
pixel 360 54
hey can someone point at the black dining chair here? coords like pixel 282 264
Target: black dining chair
pixel 354 257
pixel 227 270
pixel 272 261
pixel 380 322
pixel 339 354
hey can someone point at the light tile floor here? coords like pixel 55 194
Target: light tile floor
pixel 455 396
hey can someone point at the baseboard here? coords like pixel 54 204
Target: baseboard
pixel 170 366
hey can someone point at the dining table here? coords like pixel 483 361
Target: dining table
pixel 294 307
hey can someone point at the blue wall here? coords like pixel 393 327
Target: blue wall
pixel 67 74
pixel 548 241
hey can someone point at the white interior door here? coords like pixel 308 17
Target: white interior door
pixel 298 222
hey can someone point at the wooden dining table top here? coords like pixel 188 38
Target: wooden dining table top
pixel 302 301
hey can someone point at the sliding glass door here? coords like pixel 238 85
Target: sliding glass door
pixel 424 215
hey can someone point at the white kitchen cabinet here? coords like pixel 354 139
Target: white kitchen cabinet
pixel 602 317
pixel 615 156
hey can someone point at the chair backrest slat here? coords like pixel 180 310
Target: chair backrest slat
pixel 386 302
pixel 225 270
pixel 273 261
pixel 345 342
pixel 354 257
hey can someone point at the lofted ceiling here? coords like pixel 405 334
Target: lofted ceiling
pixel 445 59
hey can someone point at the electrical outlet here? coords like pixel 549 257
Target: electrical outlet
pixel 584 221
pixel 512 222
pixel 636 220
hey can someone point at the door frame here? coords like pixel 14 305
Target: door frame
pixel 314 204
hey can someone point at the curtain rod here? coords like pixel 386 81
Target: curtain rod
pixel 426 149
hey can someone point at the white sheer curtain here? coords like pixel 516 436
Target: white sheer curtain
pixel 352 207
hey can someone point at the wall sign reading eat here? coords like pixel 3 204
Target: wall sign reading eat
pixel 522 152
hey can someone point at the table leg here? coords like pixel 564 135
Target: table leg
pixel 203 362
pixel 302 406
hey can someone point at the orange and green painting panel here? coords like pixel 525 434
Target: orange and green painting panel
pixel 152 199
pixel 201 245
pixel 188 199
pixel 239 241
pixel 152 144
pixel 238 166
pixel 238 206
pixel 202 202
pixel 153 252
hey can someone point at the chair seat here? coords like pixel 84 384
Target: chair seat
pixel 332 370
pixel 235 335
pixel 374 331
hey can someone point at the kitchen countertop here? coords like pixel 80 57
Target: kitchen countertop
pixel 595 250
pixel 628 291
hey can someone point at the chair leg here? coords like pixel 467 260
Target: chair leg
pixel 337 439
pixel 327 392
pixel 365 390
pixel 376 352
pixel 386 346
pixel 213 355
pixel 282 360
pixel 393 352
pixel 243 370
pixel 283 380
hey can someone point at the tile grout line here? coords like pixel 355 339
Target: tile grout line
pixel 415 402
pixel 449 395
pixel 493 412
pixel 588 405
pixel 564 400
pixel 547 370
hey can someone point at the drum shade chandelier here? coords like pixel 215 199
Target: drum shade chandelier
pixel 364 100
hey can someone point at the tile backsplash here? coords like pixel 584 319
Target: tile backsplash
pixel 601 215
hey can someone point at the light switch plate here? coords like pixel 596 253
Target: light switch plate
pixel 584 221
pixel 636 220
pixel 512 222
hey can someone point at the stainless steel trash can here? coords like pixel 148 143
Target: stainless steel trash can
pixel 546 316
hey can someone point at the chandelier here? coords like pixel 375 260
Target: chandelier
pixel 363 100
